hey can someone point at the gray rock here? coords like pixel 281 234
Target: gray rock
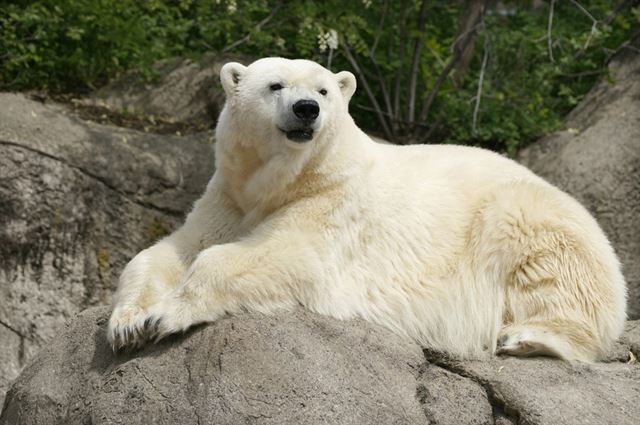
pixel 185 91
pixel 295 368
pixel 450 399
pixel 597 160
pixel 551 392
pixel 77 201
pixel 302 368
pixel 631 337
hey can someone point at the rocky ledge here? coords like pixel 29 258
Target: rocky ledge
pixel 302 368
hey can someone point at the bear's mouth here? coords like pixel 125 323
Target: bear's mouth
pixel 299 135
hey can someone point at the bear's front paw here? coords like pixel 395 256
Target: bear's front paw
pixel 165 318
pixel 126 329
pixel 131 327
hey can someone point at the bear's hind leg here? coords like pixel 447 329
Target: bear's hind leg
pixel 566 339
pixel 563 291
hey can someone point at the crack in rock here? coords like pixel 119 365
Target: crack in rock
pixel 191 394
pixel 503 411
pixel 12 329
pixel 104 182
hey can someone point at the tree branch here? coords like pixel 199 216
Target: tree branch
pixel 428 102
pixel 470 16
pixel 549 26
pixel 356 67
pixel 594 24
pixel 583 10
pixel 258 26
pixel 382 83
pixel 459 46
pixel 379 76
pixel 606 21
pixel 626 45
pixel 616 10
pixel 485 58
pixel 402 48
pixel 380 27
pixel 413 76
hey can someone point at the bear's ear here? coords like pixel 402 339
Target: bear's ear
pixel 347 83
pixel 230 76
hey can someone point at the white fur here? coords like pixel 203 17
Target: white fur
pixel 459 248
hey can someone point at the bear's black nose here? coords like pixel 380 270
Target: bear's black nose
pixel 306 110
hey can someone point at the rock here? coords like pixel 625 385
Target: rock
pixel 186 91
pixel 631 337
pixel 549 391
pixel 77 201
pixel 597 160
pixel 302 368
pixel 295 368
pixel 448 398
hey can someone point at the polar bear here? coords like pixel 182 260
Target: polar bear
pixel 459 248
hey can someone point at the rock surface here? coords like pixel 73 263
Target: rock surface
pixel 77 201
pixel 597 160
pixel 185 91
pixel 302 368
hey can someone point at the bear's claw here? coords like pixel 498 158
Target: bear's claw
pixel 132 337
pixel 127 332
pixel 151 328
pixel 132 327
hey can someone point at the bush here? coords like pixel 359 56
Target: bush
pixel 529 81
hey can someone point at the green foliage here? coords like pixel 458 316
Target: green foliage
pixel 61 44
pixel 72 45
pixel 527 94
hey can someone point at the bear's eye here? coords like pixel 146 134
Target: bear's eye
pixel 276 87
pixel 323 92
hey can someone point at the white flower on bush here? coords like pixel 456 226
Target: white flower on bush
pixel 232 6
pixel 332 41
pixel 328 39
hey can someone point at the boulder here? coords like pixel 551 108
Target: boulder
pixel 77 201
pixel 597 160
pixel 185 91
pixel 303 368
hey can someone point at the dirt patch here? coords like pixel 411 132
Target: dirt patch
pixel 108 116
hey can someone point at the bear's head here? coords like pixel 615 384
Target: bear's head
pixel 286 103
